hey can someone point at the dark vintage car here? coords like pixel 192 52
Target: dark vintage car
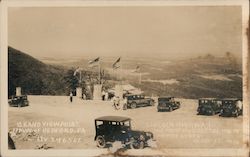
pixel 167 104
pixel 115 128
pixel 11 143
pixel 209 106
pixel 19 101
pixel 231 107
pixel 137 100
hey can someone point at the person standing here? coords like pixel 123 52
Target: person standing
pixel 116 102
pixel 106 96
pixel 124 103
pixel 71 97
pixel 84 96
pixel 103 95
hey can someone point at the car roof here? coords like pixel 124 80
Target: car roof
pixel 113 118
pixel 209 99
pixel 165 97
pixel 15 96
pixel 231 99
pixel 134 94
pixel 19 95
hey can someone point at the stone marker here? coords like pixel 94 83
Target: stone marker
pixel 79 92
pixel 97 93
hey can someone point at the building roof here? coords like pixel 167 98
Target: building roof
pixel 113 118
pixel 127 88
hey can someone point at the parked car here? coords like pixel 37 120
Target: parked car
pixel 115 128
pixel 209 106
pixel 138 100
pixel 11 143
pixel 19 101
pixel 231 107
pixel 167 104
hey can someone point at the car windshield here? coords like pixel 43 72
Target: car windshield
pixel 207 105
pixel 140 96
pixel 228 103
pixel 125 124
pixel 228 106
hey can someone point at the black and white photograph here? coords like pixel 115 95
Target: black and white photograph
pixel 125 79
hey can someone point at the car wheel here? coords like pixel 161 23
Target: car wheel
pixel 151 103
pixel 133 105
pixel 137 144
pixel 213 113
pixel 221 113
pixel 100 141
pixel 241 112
pixel 236 114
pixel 170 109
pixel 125 107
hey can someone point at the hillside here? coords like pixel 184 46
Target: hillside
pixel 33 76
pixel 195 78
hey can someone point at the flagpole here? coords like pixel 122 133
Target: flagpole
pixel 121 73
pixel 100 73
pixel 140 78
pixel 114 73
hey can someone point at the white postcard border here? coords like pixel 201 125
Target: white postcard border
pixel 244 151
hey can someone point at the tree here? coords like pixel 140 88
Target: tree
pixel 231 59
pixel 209 56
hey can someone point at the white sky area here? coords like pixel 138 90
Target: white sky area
pixel 125 31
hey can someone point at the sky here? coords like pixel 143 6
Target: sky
pixel 161 31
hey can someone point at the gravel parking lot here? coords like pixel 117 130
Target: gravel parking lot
pixel 38 126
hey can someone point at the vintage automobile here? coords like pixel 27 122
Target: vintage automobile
pixel 110 129
pixel 137 100
pixel 18 101
pixel 209 106
pixel 167 104
pixel 11 144
pixel 231 107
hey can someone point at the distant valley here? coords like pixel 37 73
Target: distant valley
pixel 203 76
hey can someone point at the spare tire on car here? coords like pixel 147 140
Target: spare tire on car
pixel 100 141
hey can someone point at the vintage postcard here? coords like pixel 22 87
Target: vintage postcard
pixel 124 78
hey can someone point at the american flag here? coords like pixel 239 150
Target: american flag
pixel 115 65
pixel 94 62
pixel 137 69
pixel 77 71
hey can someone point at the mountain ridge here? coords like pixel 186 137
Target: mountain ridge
pixel 34 76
